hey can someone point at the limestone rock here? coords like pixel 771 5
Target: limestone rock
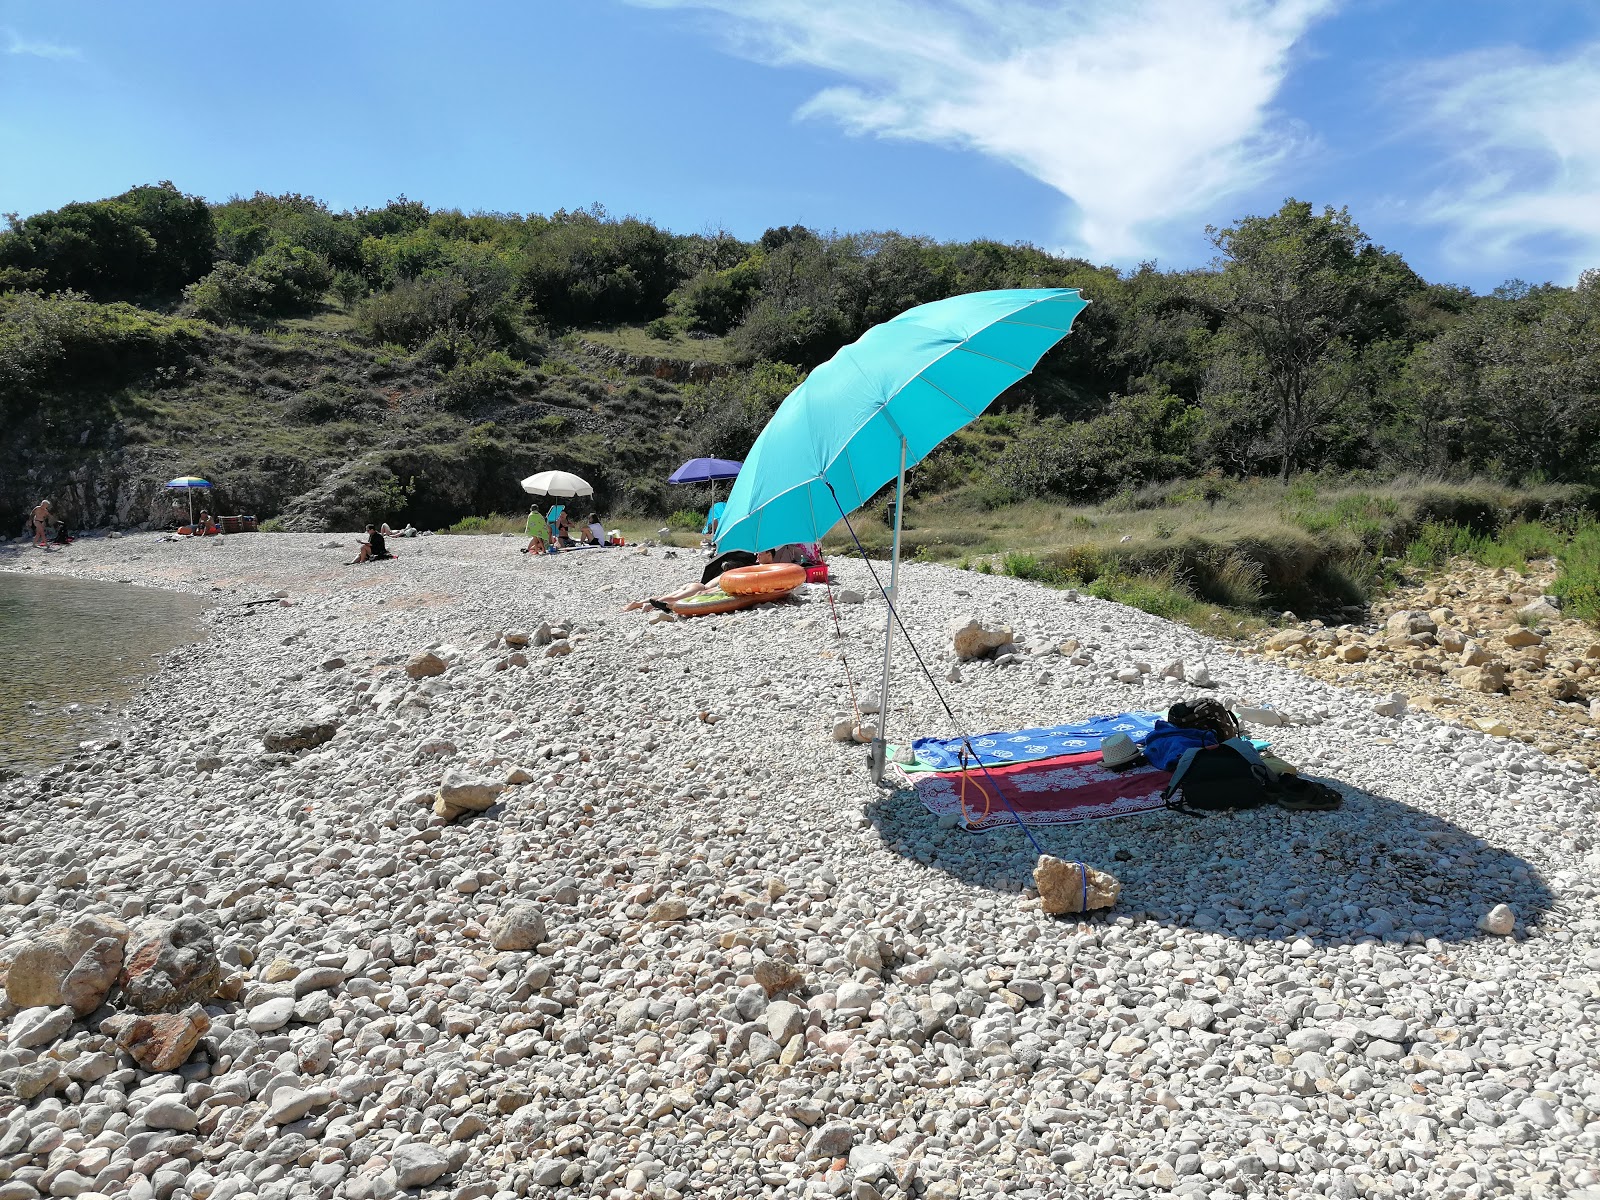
pixel 1519 638
pixel 1061 886
pixel 89 982
pixel 1499 920
pixel 170 1112
pixel 1545 608
pixel 1410 622
pixel 1490 677
pixel 1394 706
pixel 1351 652
pixel 43 971
pixel 832 1140
pixel 34 1027
pixel 518 926
pixel 171 967
pixel 164 1041
pixel 1288 638
pixel 421 666
pixel 290 1104
pixel 784 1021
pixel 776 976
pixel 293 733
pixel 462 793
pixel 418 1164
pixel 667 910
pixel 971 638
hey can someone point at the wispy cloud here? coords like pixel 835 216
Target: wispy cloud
pixel 1142 113
pixel 1523 166
pixel 14 43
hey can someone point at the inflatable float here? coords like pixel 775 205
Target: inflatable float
pixel 762 580
pixel 709 604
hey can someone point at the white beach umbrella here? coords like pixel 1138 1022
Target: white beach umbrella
pixel 556 483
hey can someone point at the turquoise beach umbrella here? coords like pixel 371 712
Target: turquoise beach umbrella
pixel 879 406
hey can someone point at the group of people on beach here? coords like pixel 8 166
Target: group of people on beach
pixel 552 532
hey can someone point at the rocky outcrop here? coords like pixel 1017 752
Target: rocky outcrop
pixel 675 370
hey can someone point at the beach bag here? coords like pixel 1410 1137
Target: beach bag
pixel 1210 715
pixel 1221 778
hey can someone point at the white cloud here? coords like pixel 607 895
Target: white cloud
pixel 1142 112
pixel 1524 165
pixel 15 43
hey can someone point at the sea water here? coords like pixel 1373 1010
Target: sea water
pixel 71 651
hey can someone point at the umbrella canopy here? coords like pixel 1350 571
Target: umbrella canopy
pixel 882 404
pixel 188 483
pixel 705 470
pixel 556 483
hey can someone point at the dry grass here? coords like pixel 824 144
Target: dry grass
pixel 633 339
pixel 1244 545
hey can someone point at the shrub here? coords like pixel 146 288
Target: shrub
pixel 715 301
pixel 458 303
pixel 285 279
pixel 1578 583
pixel 272 525
pixel 687 518
pixel 662 329
pixel 480 378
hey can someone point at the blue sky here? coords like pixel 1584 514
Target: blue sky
pixel 1462 133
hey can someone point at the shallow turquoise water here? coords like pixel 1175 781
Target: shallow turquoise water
pixel 70 648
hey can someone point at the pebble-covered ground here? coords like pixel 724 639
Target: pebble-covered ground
pixel 694 952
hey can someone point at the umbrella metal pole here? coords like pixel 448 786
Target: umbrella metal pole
pixel 880 744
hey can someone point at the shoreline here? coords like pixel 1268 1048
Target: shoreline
pixel 935 1032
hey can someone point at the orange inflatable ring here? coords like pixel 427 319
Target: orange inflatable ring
pixel 762 579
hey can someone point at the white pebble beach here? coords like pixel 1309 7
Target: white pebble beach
pixel 731 966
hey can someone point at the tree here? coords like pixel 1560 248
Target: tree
pixel 1298 285
pixel 149 241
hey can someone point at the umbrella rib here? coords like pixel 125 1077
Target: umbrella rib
pixel 1005 362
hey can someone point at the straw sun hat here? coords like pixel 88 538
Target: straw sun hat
pixel 1118 751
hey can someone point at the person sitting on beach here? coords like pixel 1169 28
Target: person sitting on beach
pixel 563 530
pixel 373 549
pixel 204 525
pixel 596 530
pixel 538 531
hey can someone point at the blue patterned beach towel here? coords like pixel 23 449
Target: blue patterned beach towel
pixel 1030 745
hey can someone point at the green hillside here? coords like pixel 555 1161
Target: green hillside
pixel 328 367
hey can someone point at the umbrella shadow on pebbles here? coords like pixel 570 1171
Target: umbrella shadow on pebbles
pixel 1374 868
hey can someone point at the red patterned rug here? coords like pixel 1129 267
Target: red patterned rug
pixel 1053 791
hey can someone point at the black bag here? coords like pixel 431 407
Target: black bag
pixel 1219 779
